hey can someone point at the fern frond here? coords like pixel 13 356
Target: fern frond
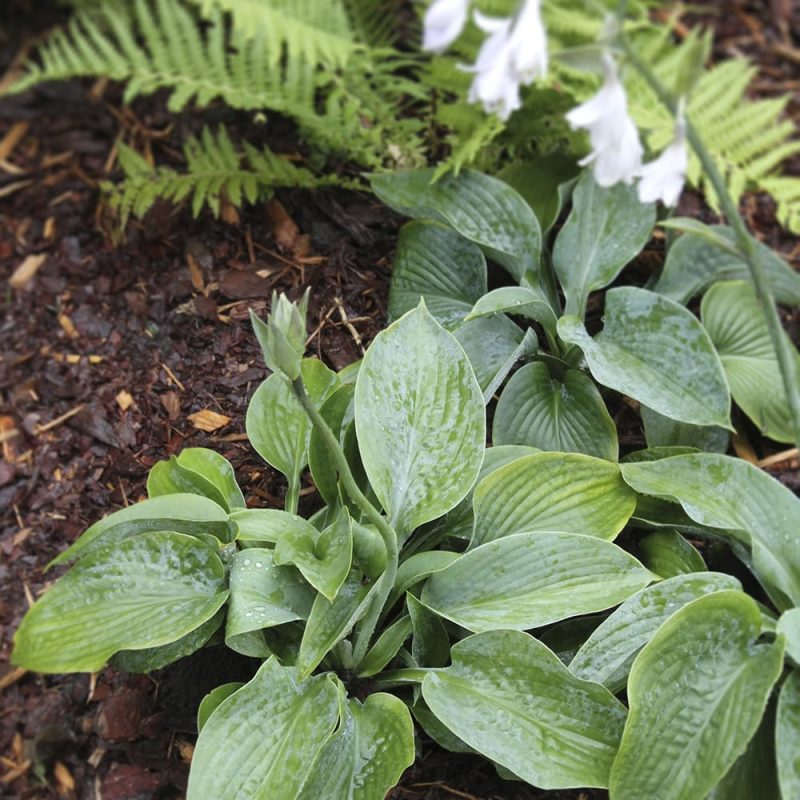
pixel 374 21
pixel 316 31
pixel 786 193
pixel 214 169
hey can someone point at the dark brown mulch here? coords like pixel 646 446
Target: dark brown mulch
pixel 105 355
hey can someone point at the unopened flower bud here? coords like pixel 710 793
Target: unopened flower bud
pixel 283 336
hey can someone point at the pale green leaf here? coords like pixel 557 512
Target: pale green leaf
pixel 668 554
pixel 208 705
pixel 789 626
pixel 787 737
pixel 520 300
pixel 655 351
pixel 661 431
pixel 511 699
pixel 732 315
pixel 606 229
pixel 697 692
pixel 420 420
pixel 182 513
pixel 695 262
pixel 565 415
pixel 386 647
pixel 261 742
pixel 532 579
pixel 481 208
pixel 267 525
pixel 437 264
pixel 568 492
pixel 732 495
pixel 430 646
pixel 366 756
pixel 276 423
pixel 143 592
pixel 607 655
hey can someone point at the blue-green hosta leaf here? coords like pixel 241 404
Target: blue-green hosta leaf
pixel 329 622
pixel 607 655
pixel 437 264
pixel 262 595
pixel 520 300
pixel 697 692
pixel 668 554
pixel 481 208
pixel 197 470
pixel 386 647
pixel 366 756
pixel 661 431
pixel 208 705
pixel 267 525
pixel 730 494
pixel 733 318
pixel 511 699
pixel 532 579
pixel 789 626
pixel 146 591
pixel 567 492
pixel 276 424
pixel 417 568
pixel 787 737
pixel 606 229
pixel 565 638
pixel 656 352
pixel 324 557
pixel 420 420
pixel 695 262
pixel 568 416
pixel 437 730
pixel 430 646
pixel 182 513
pixel 153 658
pixel 754 773
pixel 261 742
pixel 493 345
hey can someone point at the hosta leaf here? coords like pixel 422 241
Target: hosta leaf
pixel 661 431
pixel 658 353
pixel 567 492
pixel 493 345
pixel 153 658
pixel 142 592
pixel 437 264
pixel 420 420
pixel 182 513
pixel 606 229
pixel 668 554
pixel 262 595
pixel 277 426
pixel 787 737
pixel 697 692
pixel 197 470
pixel 607 655
pixel 430 646
pixel 733 318
pixel 511 699
pixel 324 557
pixel 386 647
pixel 417 568
pixel 520 300
pixel 267 525
pixel 367 754
pixel 568 416
pixel 329 622
pixel 730 494
pixel 208 705
pixel 789 626
pixel 481 208
pixel 532 579
pixel 261 742
pixel 565 638
pixel 694 262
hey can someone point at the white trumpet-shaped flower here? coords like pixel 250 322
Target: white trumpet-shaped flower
pixel 514 53
pixel 663 178
pixel 444 21
pixel 616 149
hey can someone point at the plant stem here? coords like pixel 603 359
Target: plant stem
pixel 292 495
pixel 387 533
pixel 401 677
pixel 784 352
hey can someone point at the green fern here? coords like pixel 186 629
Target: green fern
pixel 214 169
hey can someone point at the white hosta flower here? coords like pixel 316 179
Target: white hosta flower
pixel 663 178
pixel 528 43
pixel 616 150
pixel 444 21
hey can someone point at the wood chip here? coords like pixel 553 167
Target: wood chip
pixel 66 323
pixel 58 420
pixel 65 781
pixel 791 454
pixel 15 773
pixel 26 271
pixel 12 677
pixel 207 420
pixel 285 230
pixel 124 400
pixel 173 377
pixel 196 273
pixel 12 139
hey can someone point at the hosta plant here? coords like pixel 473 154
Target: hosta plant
pixel 477 591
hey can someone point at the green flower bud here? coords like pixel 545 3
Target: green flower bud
pixel 283 336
